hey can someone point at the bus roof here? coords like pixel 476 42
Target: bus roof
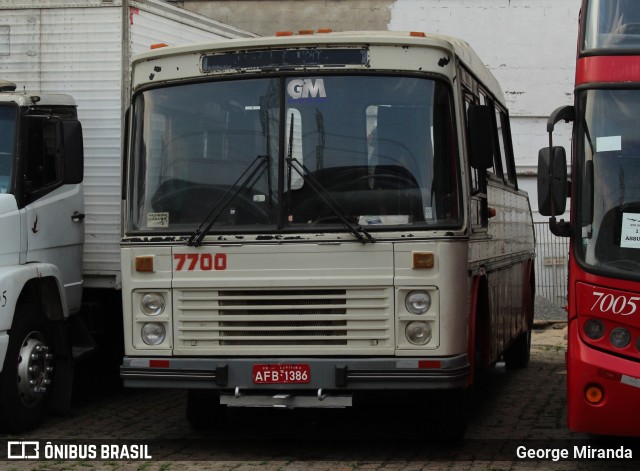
pixel 458 47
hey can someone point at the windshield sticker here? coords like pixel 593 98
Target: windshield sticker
pixel 387 220
pixel 609 144
pixel 158 220
pixel 306 89
pixel 428 213
pixel 630 231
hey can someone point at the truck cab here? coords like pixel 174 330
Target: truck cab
pixel 42 233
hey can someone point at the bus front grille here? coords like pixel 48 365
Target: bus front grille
pixel 353 318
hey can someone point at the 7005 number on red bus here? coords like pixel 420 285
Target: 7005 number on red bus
pixel 200 261
pixel 596 299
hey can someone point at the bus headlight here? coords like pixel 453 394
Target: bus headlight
pixel 418 332
pixel 418 302
pixel 152 304
pixel 153 333
pixel 594 329
pixel 620 337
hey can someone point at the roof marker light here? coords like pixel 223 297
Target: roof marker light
pixel 158 45
pixel 417 34
pixel 284 33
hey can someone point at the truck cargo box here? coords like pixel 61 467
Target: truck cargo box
pixel 83 48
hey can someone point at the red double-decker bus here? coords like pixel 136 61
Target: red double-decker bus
pixel 603 351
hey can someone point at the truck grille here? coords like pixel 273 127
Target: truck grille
pixel 225 320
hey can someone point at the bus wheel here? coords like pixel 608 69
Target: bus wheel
pixel 27 371
pixel 204 411
pixel 453 413
pixel 518 354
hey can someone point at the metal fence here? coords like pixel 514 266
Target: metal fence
pixel 552 257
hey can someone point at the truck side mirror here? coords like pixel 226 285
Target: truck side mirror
pixel 552 181
pixel 73 152
pixel 480 120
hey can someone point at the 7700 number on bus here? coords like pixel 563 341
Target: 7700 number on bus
pixel 203 262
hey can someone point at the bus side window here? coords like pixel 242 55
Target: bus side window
pixel 506 148
pixel 474 175
pixel 496 169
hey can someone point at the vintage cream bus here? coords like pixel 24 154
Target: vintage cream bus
pixel 309 219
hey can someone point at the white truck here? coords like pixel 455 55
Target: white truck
pixel 60 181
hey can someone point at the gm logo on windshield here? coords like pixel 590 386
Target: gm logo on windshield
pixel 306 88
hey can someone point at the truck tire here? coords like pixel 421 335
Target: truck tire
pixel 27 371
pixel 204 411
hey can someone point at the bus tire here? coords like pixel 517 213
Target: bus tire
pixel 204 411
pixel 518 354
pixel 28 371
pixel 454 411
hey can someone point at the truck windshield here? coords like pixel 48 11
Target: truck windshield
pixel 608 166
pixel 7 142
pixel 612 24
pixel 380 148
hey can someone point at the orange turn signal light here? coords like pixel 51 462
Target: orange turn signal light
pixel 594 394
pixel 158 45
pixel 423 260
pixel 144 263
pixel 417 34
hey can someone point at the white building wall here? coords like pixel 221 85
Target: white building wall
pixel 529 45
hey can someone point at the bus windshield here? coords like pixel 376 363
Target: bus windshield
pixel 608 159
pixel 7 140
pixel 295 153
pixel 612 24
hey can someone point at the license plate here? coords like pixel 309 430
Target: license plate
pixel 281 374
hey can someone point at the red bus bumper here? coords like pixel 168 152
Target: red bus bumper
pixel 618 413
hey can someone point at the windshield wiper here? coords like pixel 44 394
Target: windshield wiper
pixel 357 230
pixel 249 178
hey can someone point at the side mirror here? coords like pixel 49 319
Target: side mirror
pixel 73 152
pixel 552 181
pixel 480 119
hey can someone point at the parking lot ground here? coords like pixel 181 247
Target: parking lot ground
pixel 515 408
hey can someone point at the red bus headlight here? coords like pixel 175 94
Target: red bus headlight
pixel 620 337
pixel 594 329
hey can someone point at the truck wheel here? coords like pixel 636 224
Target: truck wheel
pixel 204 411
pixel 518 354
pixel 27 371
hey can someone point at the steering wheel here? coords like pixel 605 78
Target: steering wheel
pixel 624 263
pixel 332 218
pixel 629 28
pixel 402 181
